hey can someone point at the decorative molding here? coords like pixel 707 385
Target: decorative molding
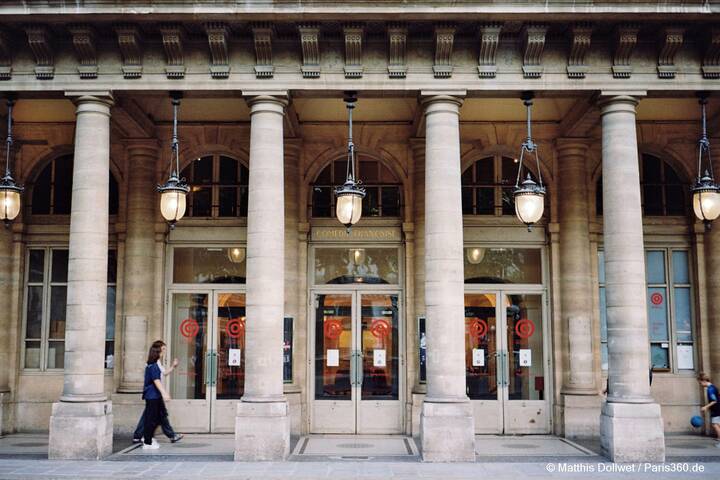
pixel 310 44
pixel 489 41
pixel 444 39
pixel 672 40
pixel 84 42
pixel 533 48
pixel 217 35
pixel 130 50
pixel 172 37
pixel 5 57
pixel 39 41
pixel 711 59
pixel 626 38
pixel 580 44
pixel 353 51
pixel 397 39
pixel 262 37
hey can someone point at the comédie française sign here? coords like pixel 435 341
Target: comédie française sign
pixel 368 234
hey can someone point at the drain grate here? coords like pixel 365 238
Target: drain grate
pixel 354 445
pixel 519 445
pixel 355 457
pixel 190 445
pixel 30 444
pixel 689 447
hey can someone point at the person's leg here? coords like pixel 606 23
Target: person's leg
pixel 151 420
pixel 137 435
pixel 716 427
pixel 165 421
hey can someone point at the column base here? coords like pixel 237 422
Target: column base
pixel 262 431
pixel 447 432
pixel 580 415
pixel 5 424
pixel 81 431
pixel 632 432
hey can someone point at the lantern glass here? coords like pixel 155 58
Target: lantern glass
pixel 357 256
pixel 349 208
pixel 706 204
pixel 529 207
pixel 9 204
pixel 172 205
pixel 236 254
pixel 475 255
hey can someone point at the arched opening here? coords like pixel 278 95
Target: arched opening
pixel 219 187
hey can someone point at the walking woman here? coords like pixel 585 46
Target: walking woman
pixel 154 395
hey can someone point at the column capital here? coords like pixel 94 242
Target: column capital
pixel 267 100
pixel 619 101
pixel 103 98
pixel 434 101
pixel 572 146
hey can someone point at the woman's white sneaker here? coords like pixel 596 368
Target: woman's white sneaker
pixel 153 446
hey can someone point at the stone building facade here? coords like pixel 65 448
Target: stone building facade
pixel 439 315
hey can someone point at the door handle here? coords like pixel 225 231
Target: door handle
pixel 498 368
pixel 506 369
pixel 353 367
pixel 359 368
pixel 214 367
pixel 211 368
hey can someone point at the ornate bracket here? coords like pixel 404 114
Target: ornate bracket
pixel 672 40
pixel 444 39
pixel 172 37
pixel 533 48
pixel 5 57
pixel 310 44
pixel 129 43
pixel 489 41
pixel 262 37
pixel 711 59
pixel 39 41
pixel 581 37
pixel 217 34
pixel 84 41
pixel 397 38
pixel 625 41
pixel 353 51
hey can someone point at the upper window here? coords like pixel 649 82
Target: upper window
pixel 487 187
pixel 382 189
pixel 219 187
pixel 52 192
pixel 662 191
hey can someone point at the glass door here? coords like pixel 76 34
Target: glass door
pixel 356 355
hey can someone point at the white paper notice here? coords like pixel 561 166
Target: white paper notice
pixel 333 357
pixel 234 357
pixel 379 359
pixel 478 357
pixel 685 357
pixel 525 357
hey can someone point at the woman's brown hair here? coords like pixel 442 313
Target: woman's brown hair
pixel 154 353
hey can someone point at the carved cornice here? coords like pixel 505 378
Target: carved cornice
pixel 626 38
pixel 397 43
pixel 217 35
pixel 5 57
pixel 130 50
pixel 711 58
pixel 172 37
pixel 39 41
pixel 489 41
pixel 353 51
pixel 580 44
pixel 444 39
pixel 84 42
pixel 310 44
pixel 533 48
pixel 671 40
pixel 262 37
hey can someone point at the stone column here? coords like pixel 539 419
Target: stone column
pixel 712 272
pixel 631 426
pixel 139 277
pixel 81 424
pixel 446 421
pixel 6 323
pixel 262 425
pixel 580 396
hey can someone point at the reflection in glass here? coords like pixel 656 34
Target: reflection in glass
pixel 231 348
pixel 333 347
pixel 188 344
pixel 379 337
pixel 480 347
pixel 206 265
pixel 505 265
pixel 525 347
pixel 336 266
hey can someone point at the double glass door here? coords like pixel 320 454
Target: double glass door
pixel 355 356
pixel 505 362
pixel 207 336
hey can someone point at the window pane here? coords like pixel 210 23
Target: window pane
pixel 683 315
pixel 187 173
pixel 505 265
pixel 485 203
pixel 228 171
pixel 508 201
pixel 62 191
pixel 201 198
pixel 485 171
pixel 599 198
pixel 681 272
pixel 321 202
pixel 659 356
pixel 243 202
pixel 356 265
pixel 655 266
pixel 651 169
pixel 56 355
pixel 369 172
pixel 33 328
pixel 59 266
pixel 114 200
pixel 32 354
pixel 467 176
pixel 340 172
pixel 604 356
pixel 58 301
pixel 203 170
pixel 652 200
pixel 228 199
pixel 41 192
pixel 37 266
pixel 657 314
pixel 509 171
pixel 112 266
pixel 390 201
pixel 675 200
pixel 467 206
pixel 206 265
pixel 110 354
pixel 110 313
pixel 601 266
pixel 324 177
pixel 370 202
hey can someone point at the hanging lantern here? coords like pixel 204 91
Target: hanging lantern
pixel 9 190
pixel 475 255
pixel 357 256
pixel 174 192
pixel 348 207
pixel 705 192
pixel 236 254
pixel 529 195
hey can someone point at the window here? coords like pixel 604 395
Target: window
pixel 52 191
pixel 662 191
pixel 670 313
pixel 382 189
pixel 487 187
pixel 46 300
pixel 219 187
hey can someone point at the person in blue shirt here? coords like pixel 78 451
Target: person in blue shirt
pixel 155 397
pixel 713 405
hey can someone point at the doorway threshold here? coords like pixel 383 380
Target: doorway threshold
pixel 355 448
